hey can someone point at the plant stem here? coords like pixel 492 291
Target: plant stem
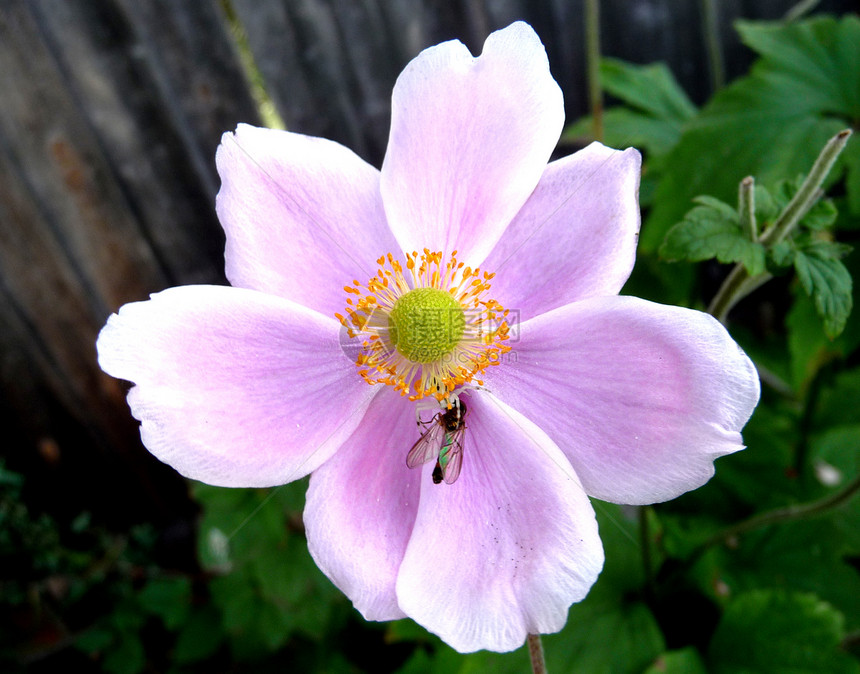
pixel 645 546
pixel 808 193
pixel 746 208
pixel 711 31
pixel 738 283
pixel 792 512
pixel 536 654
pixel 592 60
pixel 800 10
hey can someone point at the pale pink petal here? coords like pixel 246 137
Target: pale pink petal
pixel 234 387
pixel 640 397
pixel 576 235
pixel 303 216
pixel 469 140
pixel 361 506
pixel 508 547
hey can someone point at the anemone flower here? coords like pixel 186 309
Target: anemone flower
pixel 468 272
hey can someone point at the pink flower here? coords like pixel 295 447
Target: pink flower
pixel 587 394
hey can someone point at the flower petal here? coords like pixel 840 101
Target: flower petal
pixel 234 387
pixel 641 397
pixel 361 506
pixel 507 548
pixel 576 235
pixel 303 216
pixel 469 140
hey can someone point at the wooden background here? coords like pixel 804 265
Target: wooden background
pixel 110 114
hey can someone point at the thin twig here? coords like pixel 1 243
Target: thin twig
pixel 711 30
pixel 778 516
pixel 592 60
pixel 800 10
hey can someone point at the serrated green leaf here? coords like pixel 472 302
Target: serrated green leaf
pixel 766 207
pixel 775 632
pixel 821 216
pixel 727 211
pixel 657 110
pixel 623 127
pixel 651 88
pixel 782 254
pixel 770 124
pixel 712 230
pixel 827 281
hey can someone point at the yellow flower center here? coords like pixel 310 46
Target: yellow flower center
pixel 428 331
pixel 426 324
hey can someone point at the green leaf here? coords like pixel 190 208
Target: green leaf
pixel 201 636
pixel 805 555
pixel 836 460
pixel 94 640
pixel 851 158
pixel 774 632
pixel 827 281
pixel 605 639
pixel 623 127
pixel 650 88
pixel 608 632
pixel 657 107
pixel 686 661
pixel 127 657
pixel 712 229
pixel 169 599
pixel 770 124
pixel 808 345
pixel 839 403
pixel 821 216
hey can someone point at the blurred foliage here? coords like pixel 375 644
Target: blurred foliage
pixel 687 587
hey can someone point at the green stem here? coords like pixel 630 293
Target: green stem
pixel 536 654
pixel 778 516
pixel 789 513
pixel 711 30
pixel 746 208
pixel 739 283
pixel 645 546
pixel 808 193
pixel 592 60
pixel 800 10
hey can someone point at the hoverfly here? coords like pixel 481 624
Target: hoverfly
pixel 443 441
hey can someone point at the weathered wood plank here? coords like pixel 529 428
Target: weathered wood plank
pixel 107 194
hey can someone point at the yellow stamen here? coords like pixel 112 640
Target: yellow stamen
pixel 477 342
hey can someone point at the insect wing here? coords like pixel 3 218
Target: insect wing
pixel 454 456
pixel 427 447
